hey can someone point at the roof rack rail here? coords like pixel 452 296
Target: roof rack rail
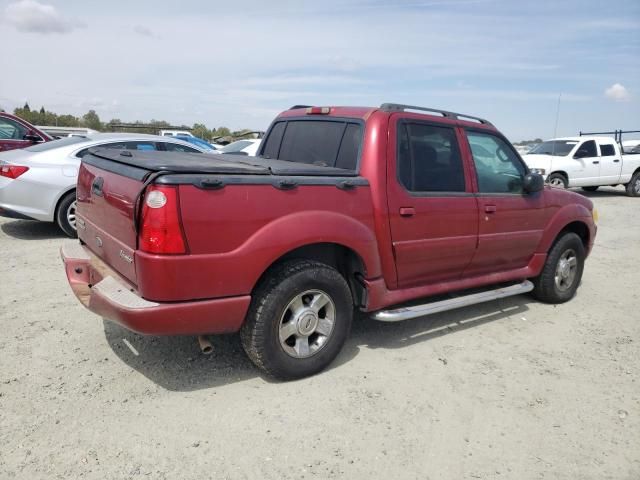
pixel 398 107
pixel 300 106
pixel 616 133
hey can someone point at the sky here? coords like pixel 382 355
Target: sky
pixel 240 64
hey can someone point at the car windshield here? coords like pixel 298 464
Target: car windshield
pixel 236 146
pixel 557 148
pixel 43 147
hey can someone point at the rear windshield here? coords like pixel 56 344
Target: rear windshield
pixel 43 147
pixel 328 143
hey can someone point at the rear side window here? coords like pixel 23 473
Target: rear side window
pixel 607 150
pixel 429 159
pixel 178 147
pixel 317 142
pixel 141 146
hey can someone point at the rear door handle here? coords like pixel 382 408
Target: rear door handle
pixel 490 208
pixel 407 211
pixel 616 160
pixel 595 162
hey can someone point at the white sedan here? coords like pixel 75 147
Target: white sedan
pixel 248 146
pixel 39 182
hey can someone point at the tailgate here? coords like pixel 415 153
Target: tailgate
pixel 105 214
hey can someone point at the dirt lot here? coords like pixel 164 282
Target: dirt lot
pixel 512 389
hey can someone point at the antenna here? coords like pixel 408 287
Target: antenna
pixel 555 130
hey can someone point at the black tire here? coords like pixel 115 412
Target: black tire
pixel 558 180
pixel 590 189
pixel 273 302
pixel 547 288
pixel 633 187
pixel 62 215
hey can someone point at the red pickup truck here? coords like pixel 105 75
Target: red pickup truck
pixel 343 208
pixel 18 133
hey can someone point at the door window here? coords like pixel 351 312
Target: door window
pixel 587 150
pixel 10 130
pixel 498 168
pixel 429 159
pixel 141 145
pixel 607 150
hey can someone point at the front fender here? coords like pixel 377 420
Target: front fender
pixel 563 217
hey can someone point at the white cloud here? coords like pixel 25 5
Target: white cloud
pixel 34 17
pixel 617 92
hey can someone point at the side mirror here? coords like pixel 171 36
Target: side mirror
pixel 32 138
pixel 533 182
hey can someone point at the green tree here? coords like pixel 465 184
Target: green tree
pixel 68 121
pixel 92 120
pixel 201 131
pixel 26 107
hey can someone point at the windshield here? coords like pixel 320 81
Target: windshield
pixel 557 148
pixel 43 147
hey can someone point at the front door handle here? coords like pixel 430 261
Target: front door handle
pixel 616 160
pixel 595 162
pixel 407 211
pixel 490 208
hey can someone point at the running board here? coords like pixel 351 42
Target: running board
pixel 407 313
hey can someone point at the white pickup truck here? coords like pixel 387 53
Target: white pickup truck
pixel 586 161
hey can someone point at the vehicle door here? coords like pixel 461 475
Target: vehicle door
pixel 12 135
pixel 585 165
pixel 510 221
pixel 610 163
pixel 432 209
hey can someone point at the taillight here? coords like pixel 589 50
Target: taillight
pixel 12 171
pixel 160 226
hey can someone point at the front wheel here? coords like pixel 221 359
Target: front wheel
pixel 562 271
pixel 558 180
pixel 633 187
pixel 66 214
pixel 299 319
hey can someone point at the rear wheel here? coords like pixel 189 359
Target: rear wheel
pixel 66 214
pixel 633 187
pixel 562 271
pixel 299 319
pixel 590 189
pixel 558 180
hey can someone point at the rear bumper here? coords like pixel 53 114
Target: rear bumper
pixel 105 293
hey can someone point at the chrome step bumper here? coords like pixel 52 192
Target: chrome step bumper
pixel 407 313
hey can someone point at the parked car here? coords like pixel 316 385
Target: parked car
pixel 343 208
pixel 175 133
pixel 39 182
pixel 18 133
pixel 247 146
pixel 586 161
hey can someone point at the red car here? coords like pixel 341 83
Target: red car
pixel 343 208
pixel 18 133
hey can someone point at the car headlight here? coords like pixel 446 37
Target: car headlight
pixel 540 171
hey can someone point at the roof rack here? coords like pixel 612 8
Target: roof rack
pixel 616 133
pixel 398 107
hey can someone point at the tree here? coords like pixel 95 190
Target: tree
pixel 201 131
pixel 68 121
pixel 26 107
pixel 92 120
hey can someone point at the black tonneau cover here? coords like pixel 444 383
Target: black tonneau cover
pixel 204 163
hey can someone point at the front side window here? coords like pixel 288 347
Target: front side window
pixel 429 159
pixel 10 130
pixel 587 150
pixel 497 166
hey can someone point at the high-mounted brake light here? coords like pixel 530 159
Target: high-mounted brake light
pixel 161 229
pixel 12 171
pixel 318 110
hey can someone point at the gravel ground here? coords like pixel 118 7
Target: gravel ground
pixel 512 389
